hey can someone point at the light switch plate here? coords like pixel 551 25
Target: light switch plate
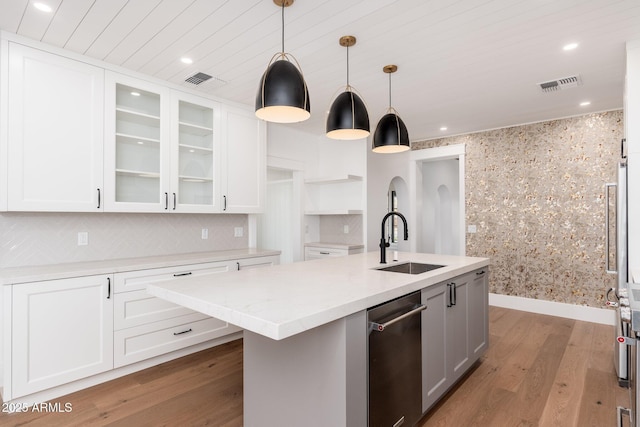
pixel 205 233
pixel 346 229
pixel 238 232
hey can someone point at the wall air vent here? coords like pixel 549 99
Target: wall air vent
pixel 561 84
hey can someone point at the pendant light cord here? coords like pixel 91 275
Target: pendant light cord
pixel 389 91
pixel 348 67
pixel 283 27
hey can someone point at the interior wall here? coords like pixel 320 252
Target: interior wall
pixel 381 170
pixel 440 210
pixel 536 195
pixel 39 238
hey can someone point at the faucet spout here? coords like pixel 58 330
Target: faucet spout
pixel 383 242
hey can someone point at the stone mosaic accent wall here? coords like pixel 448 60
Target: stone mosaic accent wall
pixel 536 194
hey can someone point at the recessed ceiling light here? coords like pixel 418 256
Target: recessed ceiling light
pixel 135 93
pixel 186 60
pixel 570 46
pixel 42 7
pixel 444 128
pixel 585 103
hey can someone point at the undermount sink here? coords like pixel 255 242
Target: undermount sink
pixel 411 268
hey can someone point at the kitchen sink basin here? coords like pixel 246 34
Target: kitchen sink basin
pixel 410 268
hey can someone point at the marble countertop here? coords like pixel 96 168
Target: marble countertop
pixel 285 300
pixel 16 275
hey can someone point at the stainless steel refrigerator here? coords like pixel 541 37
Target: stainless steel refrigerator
pixel 616 251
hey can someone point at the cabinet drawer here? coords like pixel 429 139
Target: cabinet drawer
pixel 145 341
pixel 139 308
pixel 138 280
pixel 317 252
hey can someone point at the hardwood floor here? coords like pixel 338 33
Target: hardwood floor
pixel 539 371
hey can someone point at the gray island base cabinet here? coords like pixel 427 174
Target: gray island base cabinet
pixel 306 332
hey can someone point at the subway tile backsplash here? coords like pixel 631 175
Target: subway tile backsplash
pixel 38 238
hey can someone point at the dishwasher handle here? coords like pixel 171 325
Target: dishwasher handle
pixel 381 326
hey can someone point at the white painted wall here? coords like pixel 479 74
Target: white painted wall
pixel 440 208
pixel 321 157
pixel 381 169
pixel 632 133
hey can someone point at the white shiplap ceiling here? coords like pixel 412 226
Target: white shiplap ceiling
pixel 465 64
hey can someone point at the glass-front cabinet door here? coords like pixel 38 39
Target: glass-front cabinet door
pixel 194 156
pixel 136 152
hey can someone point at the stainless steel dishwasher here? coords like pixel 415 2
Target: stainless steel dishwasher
pixel 395 395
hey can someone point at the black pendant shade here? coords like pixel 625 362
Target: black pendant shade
pixel 348 117
pixel 282 96
pixel 391 135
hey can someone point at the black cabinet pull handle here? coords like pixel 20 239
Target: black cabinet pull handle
pixel 108 287
pixel 450 302
pixel 182 274
pixel 479 273
pixel 174 201
pixel 455 294
pixel 225 203
pixel 238 265
pixel 166 201
pixel 183 332
pixel 98 198
pixel 325 253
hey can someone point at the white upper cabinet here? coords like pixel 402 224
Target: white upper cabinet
pixel 81 138
pixel 244 159
pixel 195 154
pixel 136 145
pixel 54 132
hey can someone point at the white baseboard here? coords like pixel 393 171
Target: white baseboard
pixel 605 316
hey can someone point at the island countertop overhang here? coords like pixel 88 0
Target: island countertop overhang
pixel 285 300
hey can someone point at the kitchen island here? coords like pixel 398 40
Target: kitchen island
pixel 305 329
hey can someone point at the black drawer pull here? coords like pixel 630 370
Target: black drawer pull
pixel 479 273
pixel 325 253
pixel 183 332
pixel 182 274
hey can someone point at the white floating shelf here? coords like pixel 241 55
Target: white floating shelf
pixel 334 180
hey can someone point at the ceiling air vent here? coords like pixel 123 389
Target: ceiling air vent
pixel 197 78
pixel 560 84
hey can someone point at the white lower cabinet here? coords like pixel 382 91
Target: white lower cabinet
pixel 62 330
pixel 146 326
pixel 454 332
pixel 319 252
pixel 65 330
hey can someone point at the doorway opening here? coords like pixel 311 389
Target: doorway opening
pixel 439 200
pixel 280 226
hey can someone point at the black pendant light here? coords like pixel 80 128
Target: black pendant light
pixel 391 135
pixel 283 96
pixel 348 117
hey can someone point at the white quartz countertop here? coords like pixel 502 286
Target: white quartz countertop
pixel 285 300
pixel 348 246
pixel 16 275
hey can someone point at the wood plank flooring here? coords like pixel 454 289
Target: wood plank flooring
pixel 539 371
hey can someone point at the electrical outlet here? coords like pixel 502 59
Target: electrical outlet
pixel 83 238
pixel 205 233
pixel 238 232
pixel 472 229
pixel 346 229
